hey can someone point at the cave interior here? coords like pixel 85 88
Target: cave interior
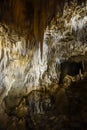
pixel 43 64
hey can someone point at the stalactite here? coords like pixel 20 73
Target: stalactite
pixel 40 16
pixel 19 13
pixel 36 22
pixel 42 26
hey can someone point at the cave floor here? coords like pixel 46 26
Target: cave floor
pixel 65 109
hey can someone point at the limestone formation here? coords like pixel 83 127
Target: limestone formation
pixel 31 97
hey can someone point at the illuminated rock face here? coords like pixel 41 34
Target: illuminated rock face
pixel 32 15
pixel 20 62
pixel 21 67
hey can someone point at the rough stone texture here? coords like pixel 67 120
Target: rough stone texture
pixel 52 106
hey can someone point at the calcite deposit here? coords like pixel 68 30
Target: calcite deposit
pixel 31 97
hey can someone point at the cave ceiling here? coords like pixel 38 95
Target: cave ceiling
pixel 30 17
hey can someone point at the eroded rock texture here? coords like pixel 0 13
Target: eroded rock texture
pixel 31 96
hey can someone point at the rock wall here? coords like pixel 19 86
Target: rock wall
pixel 21 67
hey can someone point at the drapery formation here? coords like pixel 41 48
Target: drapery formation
pixel 31 15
